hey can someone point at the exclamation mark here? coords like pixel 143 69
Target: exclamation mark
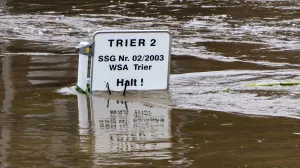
pixel 142 82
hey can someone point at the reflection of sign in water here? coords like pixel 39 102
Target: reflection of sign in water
pixel 120 126
pixel 126 126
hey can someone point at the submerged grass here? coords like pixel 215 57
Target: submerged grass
pixel 274 84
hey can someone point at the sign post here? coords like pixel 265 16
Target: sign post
pixel 130 59
pixel 82 79
pixel 82 67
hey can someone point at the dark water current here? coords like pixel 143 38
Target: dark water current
pixel 217 44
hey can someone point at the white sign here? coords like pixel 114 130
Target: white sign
pixel 139 60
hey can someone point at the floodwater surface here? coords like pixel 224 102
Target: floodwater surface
pixel 210 117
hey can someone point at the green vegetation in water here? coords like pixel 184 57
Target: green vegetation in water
pixel 87 91
pixel 212 92
pixel 208 92
pixel 274 84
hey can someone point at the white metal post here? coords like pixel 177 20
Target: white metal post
pixel 82 68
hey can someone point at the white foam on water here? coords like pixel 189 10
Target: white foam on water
pixel 207 91
pixel 226 91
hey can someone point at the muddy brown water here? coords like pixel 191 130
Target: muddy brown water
pixel 217 45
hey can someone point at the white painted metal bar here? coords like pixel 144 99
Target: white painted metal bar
pixel 82 68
